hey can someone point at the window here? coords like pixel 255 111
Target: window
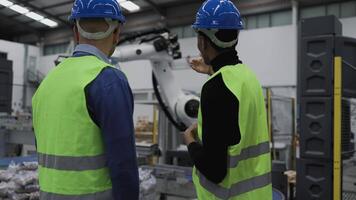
pixel 3 55
pixel 263 21
pixel 251 22
pixel 188 31
pixel 55 49
pixel 178 31
pixel 281 18
pixel 345 9
pixel 348 9
pixel 184 31
pixel 313 12
pixel 333 9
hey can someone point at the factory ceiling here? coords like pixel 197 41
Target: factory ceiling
pixel 43 16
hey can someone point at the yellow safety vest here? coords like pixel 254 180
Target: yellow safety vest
pixel 70 145
pixel 249 162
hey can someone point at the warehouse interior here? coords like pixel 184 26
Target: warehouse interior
pixel 302 51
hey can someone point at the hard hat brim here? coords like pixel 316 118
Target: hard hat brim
pixel 121 19
pixel 196 26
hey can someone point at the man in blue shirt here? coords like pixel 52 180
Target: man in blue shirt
pixel 108 98
pixel 110 105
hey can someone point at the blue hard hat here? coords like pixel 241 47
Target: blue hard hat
pixel 218 14
pixel 97 9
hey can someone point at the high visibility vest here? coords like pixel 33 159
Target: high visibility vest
pixel 72 163
pixel 249 162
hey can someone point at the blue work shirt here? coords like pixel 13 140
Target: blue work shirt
pixel 110 105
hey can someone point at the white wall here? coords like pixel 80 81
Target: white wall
pixel 264 50
pixel 189 79
pixel 349 26
pixel 139 73
pixel 46 63
pixel 17 54
pixel 270 52
pixel 34 52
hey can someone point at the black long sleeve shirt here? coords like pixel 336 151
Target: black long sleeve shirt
pixel 219 107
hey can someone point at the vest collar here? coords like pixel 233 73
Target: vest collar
pixel 224 59
pixel 87 49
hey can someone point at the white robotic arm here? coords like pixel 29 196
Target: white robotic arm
pixel 161 52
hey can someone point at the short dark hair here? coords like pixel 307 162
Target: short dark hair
pixel 225 35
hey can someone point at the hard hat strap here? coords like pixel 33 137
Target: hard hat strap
pixel 210 33
pixel 99 35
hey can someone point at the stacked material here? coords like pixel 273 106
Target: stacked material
pixel 19 182
pixel 143 125
pixel 144 130
pixel 20 122
pixel 147 184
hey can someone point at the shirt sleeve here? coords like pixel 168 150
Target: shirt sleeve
pixel 220 129
pixel 110 104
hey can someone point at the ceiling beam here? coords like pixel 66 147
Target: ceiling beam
pixel 42 31
pixel 25 23
pixel 14 16
pixel 159 10
pixel 57 5
pixel 153 5
pixel 35 8
pixel 3 7
pixel 178 3
pixel 46 7
pixel 17 23
pixel 16 33
pixel 63 14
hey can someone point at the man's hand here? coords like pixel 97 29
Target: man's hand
pixel 199 66
pixel 190 134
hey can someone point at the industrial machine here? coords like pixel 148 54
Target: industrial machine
pixel 161 48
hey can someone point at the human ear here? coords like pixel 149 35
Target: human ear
pixel 76 34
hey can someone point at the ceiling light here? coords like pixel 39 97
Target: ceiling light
pixel 49 22
pixel 130 6
pixel 34 16
pixel 6 3
pixel 19 9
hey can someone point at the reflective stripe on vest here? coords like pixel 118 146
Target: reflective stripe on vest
pixel 106 195
pixel 250 152
pixel 236 189
pixel 72 163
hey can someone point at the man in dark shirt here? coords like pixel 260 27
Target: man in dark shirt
pixel 219 109
pixel 220 115
pixel 229 146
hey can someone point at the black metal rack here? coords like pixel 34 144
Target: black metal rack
pixel 326 60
